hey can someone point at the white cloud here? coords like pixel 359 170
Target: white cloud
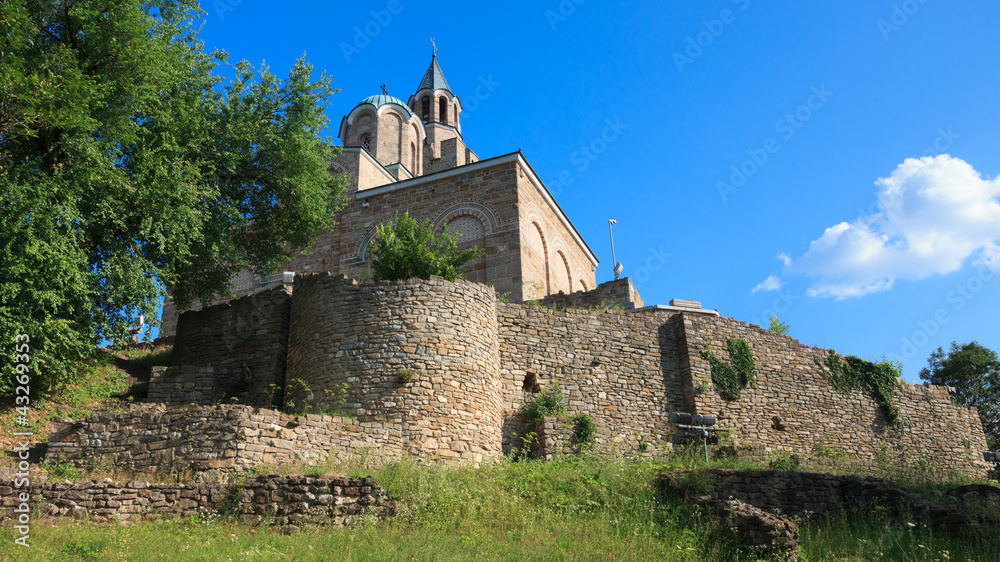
pixel 785 259
pixel 934 213
pixel 772 283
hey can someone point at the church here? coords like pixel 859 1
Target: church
pixel 412 157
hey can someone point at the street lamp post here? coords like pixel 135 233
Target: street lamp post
pixel 617 266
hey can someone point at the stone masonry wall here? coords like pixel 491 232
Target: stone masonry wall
pixel 155 438
pixel 243 340
pixel 623 369
pixel 608 294
pixel 182 385
pixel 794 408
pixel 352 347
pixel 277 500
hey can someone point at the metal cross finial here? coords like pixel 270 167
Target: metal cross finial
pixel 434 46
pixel 384 91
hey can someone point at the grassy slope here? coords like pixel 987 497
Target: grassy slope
pixel 570 509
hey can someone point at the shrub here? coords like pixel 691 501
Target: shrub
pixel 549 402
pixel 584 429
pixel 408 249
pixel 405 375
pixel 730 379
pixel 878 380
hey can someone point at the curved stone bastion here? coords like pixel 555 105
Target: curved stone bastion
pixel 417 361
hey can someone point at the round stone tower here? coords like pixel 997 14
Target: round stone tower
pixel 416 362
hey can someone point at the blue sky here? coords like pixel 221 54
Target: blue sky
pixel 739 144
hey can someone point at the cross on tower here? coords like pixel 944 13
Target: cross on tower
pixel 434 46
pixel 384 91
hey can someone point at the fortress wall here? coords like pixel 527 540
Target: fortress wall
pixel 623 369
pixel 811 413
pixel 608 294
pixel 348 343
pixel 244 340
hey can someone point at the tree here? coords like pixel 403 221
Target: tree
pixel 129 167
pixel 974 371
pixel 408 249
pixel 777 326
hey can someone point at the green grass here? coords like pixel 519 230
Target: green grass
pixel 569 509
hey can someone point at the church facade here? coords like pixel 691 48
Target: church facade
pixel 411 157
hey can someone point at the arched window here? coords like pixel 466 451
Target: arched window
pixel 413 159
pixel 425 108
pixel 443 106
pixel 366 143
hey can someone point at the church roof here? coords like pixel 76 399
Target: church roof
pixel 434 78
pixel 383 99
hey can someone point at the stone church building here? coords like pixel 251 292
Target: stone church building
pixel 412 157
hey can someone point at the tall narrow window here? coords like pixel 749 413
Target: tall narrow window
pixel 425 109
pixel 366 143
pixel 413 159
pixel 444 110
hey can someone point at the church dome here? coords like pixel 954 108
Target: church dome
pixel 384 99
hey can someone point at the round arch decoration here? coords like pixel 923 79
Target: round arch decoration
pixel 479 209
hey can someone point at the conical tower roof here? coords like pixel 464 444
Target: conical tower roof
pixel 434 78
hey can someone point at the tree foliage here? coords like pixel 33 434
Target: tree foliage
pixel 409 249
pixel 128 165
pixel 777 326
pixel 974 371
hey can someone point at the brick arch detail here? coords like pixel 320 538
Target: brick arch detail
pixel 480 209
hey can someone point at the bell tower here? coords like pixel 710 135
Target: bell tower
pixel 440 110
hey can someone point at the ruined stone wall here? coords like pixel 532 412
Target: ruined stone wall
pixel 218 439
pixel 608 294
pixel 623 369
pixel 794 408
pixel 243 340
pixel 276 500
pixel 353 346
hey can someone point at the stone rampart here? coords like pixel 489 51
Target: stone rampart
pixel 243 340
pixel 416 359
pixel 622 369
pixel 617 293
pixel 794 408
pixel 275 500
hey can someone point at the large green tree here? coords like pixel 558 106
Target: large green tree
pixel 132 161
pixel 974 371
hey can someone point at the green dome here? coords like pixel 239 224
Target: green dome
pixel 383 99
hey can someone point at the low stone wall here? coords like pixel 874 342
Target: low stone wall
pixel 220 440
pixel 244 341
pixel 606 295
pixel 816 496
pixel 275 500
